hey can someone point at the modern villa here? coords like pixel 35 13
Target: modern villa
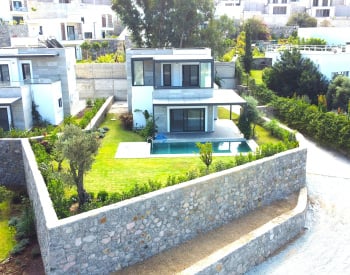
pixel 43 76
pixel 176 87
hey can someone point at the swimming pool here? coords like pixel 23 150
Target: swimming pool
pixel 191 148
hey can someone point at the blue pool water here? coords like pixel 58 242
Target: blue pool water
pixel 191 148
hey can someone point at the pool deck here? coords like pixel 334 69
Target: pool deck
pixel 225 130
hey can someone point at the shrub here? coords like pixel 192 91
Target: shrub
pixel 127 121
pixel 5 194
pixel 102 196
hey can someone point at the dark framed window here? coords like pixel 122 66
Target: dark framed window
pixel 88 35
pixel 187 120
pixel 322 13
pixel 190 75
pixel 60 102
pixel 279 10
pixel 4 73
pixel 167 75
pixel 26 74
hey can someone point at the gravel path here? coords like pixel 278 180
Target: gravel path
pixel 325 247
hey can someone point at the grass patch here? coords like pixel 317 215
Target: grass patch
pixel 117 175
pixel 7 234
pixel 257 75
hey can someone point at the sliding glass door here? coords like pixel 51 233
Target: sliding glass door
pixel 187 120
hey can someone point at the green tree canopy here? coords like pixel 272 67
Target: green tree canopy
pixel 302 20
pixel 164 23
pixel 259 30
pixel 295 75
pixel 338 94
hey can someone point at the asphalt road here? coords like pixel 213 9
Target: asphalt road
pixel 324 248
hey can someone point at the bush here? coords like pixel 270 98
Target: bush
pixel 102 196
pixel 5 194
pixel 127 121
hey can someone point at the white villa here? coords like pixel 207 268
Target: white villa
pixel 43 76
pixel 177 87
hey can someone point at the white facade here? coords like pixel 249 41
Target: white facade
pixel 277 12
pixel 176 87
pixel 68 21
pixel 333 36
pixel 45 77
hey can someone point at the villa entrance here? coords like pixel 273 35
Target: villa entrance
pixel 4 119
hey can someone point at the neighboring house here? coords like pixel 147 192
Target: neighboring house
pixel 68 21
pixel 277 12
pixel 176 86
pixel 330 60
pixel 45 77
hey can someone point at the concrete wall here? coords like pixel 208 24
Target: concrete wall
pixel 112 237
pixel 101 114
pixel 95 80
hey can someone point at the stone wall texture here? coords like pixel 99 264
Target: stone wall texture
pixel 112 237
pixel 11 163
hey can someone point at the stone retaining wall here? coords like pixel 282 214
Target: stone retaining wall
pixel 100 115
pixel 11 163
pixel 112 237
pixel 253 248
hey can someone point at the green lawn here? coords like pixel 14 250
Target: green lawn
pixel 257 75
pixel 7 240
pixel 117 175
pixel 114 175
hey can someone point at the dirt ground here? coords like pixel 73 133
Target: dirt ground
pixel 27 263
pixel 179 258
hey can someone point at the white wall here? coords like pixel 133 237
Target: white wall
pixel 141 101
pixel 46 97
pixel 333 36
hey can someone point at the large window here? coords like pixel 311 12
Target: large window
pixel 4 73
pixel 187 120
pixel 322 13
pixel 279 10
pixel 138 73
pixel 190 75
pixel 142 72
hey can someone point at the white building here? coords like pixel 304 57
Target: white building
pixel 330 60
pixel 45 77
pixel 175 86
pixel 68 21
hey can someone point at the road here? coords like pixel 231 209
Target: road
pixel 324 248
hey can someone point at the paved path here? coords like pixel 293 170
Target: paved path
pixel 325 246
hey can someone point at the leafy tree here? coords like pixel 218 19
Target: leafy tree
pixel 244 124
pixel 303 20
pixel 218 35
pixel 247 58
pixel 164 23
pixel 252 113
pixel 338 93
pixel 78 148
pixel 295 75
pixel 206 153
pixel 86 46
pixel 258 29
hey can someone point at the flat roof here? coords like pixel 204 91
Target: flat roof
pixel 174 57
pixel 8 100
pixel 220 97
pixel 28 55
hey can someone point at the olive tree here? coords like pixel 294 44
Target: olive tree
pixel 78 148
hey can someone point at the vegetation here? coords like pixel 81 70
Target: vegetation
pixel 205 153
pixel 7 233
pixel 259 30
pixel 162 23
pixel 338 94
pixel 328 128
pixel 295 75
pixel 78 148
pixel 302 20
